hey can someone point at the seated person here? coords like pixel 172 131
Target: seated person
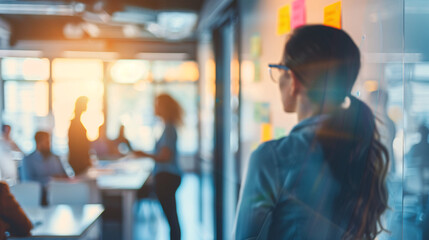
pixel 9 152
pixel 8 168
pixel 6 130
pixel 103 147
pixel 41 165
pixel 12 218
pixel 122 142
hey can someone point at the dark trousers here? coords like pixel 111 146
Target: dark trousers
pixel 166 185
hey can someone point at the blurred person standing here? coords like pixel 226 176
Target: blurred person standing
pixel 41 165
pixel 122 143
pixel 79 145
pixel 418 159
pixel 167 173
pixel 12 218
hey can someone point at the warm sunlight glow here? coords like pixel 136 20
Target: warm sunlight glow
pixel 65 69
pixel 171 71
pixel 189 71
pixel 35 69
pixel 25 68
pixel 130 71
pixel 247 71
pixel 41 99
pixel 27 98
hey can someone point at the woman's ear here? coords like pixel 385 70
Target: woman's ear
pixel 296 86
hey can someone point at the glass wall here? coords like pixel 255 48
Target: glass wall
pixel 392 81
pixel 416 122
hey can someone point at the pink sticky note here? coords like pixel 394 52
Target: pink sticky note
pixel 298 13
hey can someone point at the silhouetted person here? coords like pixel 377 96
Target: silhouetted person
pixel 12 218
pixel 79 145
pixel 419 153
pixel 103 146
pixel 167 172
pixel 41 165
pixel 326 180
pixel 418 158
pixel 122 143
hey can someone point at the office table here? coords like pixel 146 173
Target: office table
pixel 123 178
pixel 62 221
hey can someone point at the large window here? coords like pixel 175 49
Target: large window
pixel 130 103
pixel 73 78
pixel 26 106
pixel 131 87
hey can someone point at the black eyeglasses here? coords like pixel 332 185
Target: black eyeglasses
pixel 276 71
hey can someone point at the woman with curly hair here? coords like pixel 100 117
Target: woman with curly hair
pixel 167 173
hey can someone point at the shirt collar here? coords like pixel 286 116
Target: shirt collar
pixel 311 121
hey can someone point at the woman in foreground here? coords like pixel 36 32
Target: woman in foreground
pixel 326 180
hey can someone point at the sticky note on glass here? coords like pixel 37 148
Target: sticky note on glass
pixel 266 132
pixel 283 20
pixel 332 15
pixel 298 13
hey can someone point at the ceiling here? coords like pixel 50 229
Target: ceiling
pixel 153 20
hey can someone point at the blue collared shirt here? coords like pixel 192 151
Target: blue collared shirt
pixel 36 167
pixel 289 190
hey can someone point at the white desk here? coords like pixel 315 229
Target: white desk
pixel 124 178
pixel 62 221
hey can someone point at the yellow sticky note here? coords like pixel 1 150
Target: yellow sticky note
pixel 332 16
pixel 266 132
pixel 283 20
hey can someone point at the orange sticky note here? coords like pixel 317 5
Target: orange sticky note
pixel 283 20
pixel 266 132
pixel 332 16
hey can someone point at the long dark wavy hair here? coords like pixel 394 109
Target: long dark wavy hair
pixel 171 111
pixel 327 62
